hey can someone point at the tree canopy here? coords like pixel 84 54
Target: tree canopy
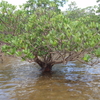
pixel 47 36
pixel 98 11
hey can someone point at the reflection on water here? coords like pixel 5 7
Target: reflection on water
pixel 23 81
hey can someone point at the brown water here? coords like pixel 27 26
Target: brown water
pixel 23 81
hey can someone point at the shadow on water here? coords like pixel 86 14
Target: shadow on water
pixel 23 81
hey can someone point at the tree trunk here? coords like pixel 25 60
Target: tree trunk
pixel 45 66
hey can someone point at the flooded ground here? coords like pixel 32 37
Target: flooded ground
pixel 23 81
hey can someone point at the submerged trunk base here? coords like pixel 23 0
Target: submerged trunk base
pixel 47 69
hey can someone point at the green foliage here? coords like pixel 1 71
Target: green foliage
pixel 33 5
pixel 86 58
pixel 98 11
pixel 97 52
pixel 74 13
pixel 12 20
pixel 43 31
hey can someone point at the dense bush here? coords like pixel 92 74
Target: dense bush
pixel 48 36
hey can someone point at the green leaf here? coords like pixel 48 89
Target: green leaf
pixel 97 52
pixel 86 57
pixel 18 53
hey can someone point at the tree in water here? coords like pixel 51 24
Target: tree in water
pixel 49 37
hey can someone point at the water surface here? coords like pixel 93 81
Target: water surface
pixel 23 81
